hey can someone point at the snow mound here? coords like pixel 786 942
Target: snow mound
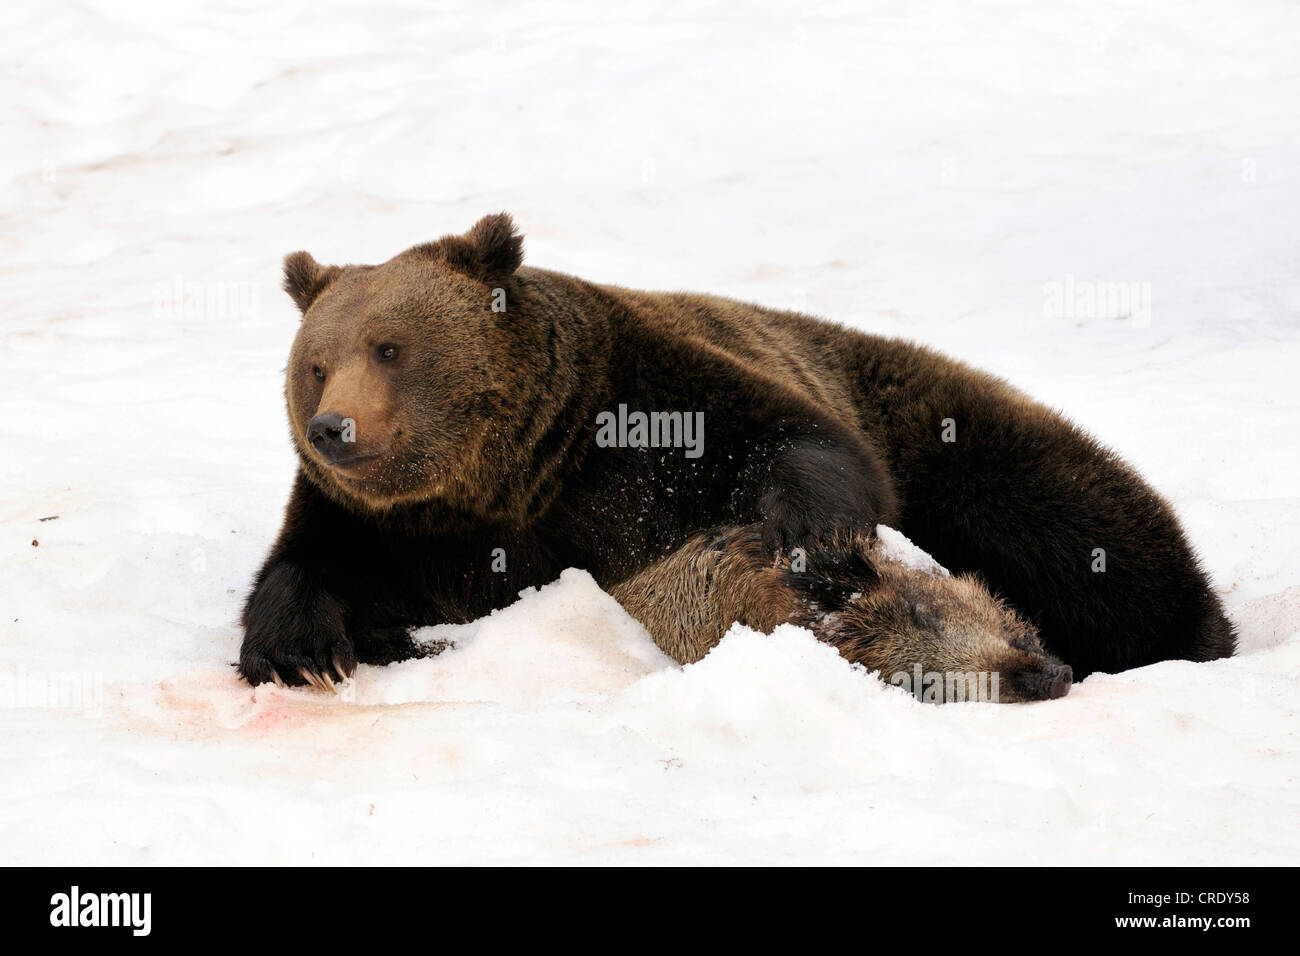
pixel 566 642
pixel 896 546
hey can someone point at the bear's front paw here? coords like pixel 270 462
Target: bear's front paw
pixel 787 526
pixel 294 633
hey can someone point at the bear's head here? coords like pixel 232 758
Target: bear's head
pixel 418 379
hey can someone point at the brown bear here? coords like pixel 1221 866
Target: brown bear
pixel 467 427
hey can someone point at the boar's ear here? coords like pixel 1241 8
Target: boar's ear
pixel 305 278
pixel 491 251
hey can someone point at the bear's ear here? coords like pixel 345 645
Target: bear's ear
pixel 305 278
pixel 491 251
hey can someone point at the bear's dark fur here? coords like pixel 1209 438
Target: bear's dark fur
pixel 448 460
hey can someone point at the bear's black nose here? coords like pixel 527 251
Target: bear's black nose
pixel 325 434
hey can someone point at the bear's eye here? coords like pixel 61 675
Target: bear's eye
pixel 386 352
pixel 318 372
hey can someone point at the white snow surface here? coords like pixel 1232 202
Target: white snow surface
pixel 923 170
pixel 895 546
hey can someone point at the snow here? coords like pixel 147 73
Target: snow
pixel 893 545
pixel 939 173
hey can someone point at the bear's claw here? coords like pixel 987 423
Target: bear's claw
pixel 319 681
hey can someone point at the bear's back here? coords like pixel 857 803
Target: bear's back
pixel 806 354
